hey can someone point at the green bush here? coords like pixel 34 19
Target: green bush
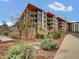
pixel 50 35
pixel 14 37
pixel 57 35
pixel 48 44
pixel 40 36
pixel 19 52
pixel 4 32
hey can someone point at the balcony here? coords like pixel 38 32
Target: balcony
pixel 49 28
pixel 50 23
pixel 35 13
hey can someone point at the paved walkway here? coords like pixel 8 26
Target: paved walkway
pixel 35 45
pixel 69 48
pixel 4 38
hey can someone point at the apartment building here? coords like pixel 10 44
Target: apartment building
pixel 69 27
pixel 74 26
pixel 52 22
pixel 55 23
pixel 62 24
pixel 36 17
pixel 40 20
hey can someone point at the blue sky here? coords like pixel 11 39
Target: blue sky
pixel 61 8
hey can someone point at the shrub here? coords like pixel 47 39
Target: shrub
pixel 57 35
pixel 48 44
pixel 50 35
pixel 40 36
pixel 4 32
pixel 19 52
pixel 14 37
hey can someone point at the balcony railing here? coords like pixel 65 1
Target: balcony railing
pixel 49 23
pixel 49 28
pixel 35 13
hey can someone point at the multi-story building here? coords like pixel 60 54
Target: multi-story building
pixel 69 27
pixel 55 23
pixel 63 25
pixel 39 20
pixel 74 26
pixel 52 22
pixel 36 17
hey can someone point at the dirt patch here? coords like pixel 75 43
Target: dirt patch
pixel 41 54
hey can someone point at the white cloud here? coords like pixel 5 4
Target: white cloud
pixel 4 0
pixel 0 23
pixel 9 23
pixel 69 8
pixel 73 21
pixel 60 6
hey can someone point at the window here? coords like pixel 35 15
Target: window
pixel 31 15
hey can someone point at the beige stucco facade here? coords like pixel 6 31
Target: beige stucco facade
pixel 75 27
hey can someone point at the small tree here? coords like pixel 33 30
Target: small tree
pixel 18 24
pixel 5 28
pixel 23 23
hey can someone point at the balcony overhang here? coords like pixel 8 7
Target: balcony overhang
pixel 33 8
pixel 60 19
pixel 50 15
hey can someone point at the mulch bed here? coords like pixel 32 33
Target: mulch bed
pixel 41 54
pixel 38 53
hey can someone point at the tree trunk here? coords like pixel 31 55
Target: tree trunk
pixel 20 34
pixel 26 35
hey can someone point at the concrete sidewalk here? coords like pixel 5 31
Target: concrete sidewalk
pixel 69 48
pixel 4 38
